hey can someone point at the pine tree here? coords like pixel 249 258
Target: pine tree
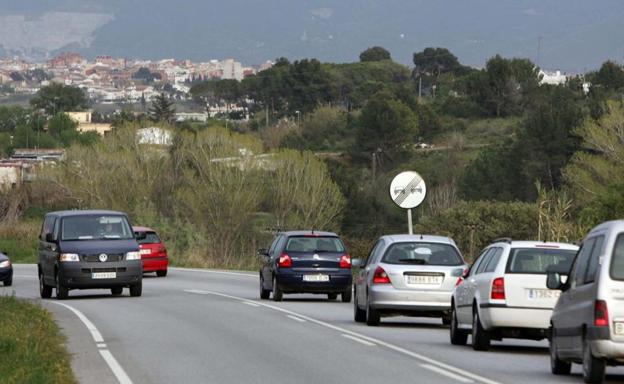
pixel 162 109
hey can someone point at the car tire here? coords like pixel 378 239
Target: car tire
pixel 162 273
pixel 480 337
pixel 62 292
pixel 332 296
pixel 359 315
pixel 45 291
pixel 346 295
pixel 372 315
pixel 116 291
pixel 557 366
pixel 264 293
pixel 8 282
pixel 593 368
pixel 458 336
pixel 278 295
pixel 136 290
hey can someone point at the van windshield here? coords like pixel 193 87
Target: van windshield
pixel 95 227
pixel 617 261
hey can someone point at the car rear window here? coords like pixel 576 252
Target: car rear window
pixel 314 244
pixel 617 260
pixel 150 238
pixel 539 260
pixel 99 227
pixel 422 253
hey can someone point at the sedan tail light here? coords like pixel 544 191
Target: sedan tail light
pixel 601 314
pixel 284 261
pixel 498 289
pixel 345 261
pixel 380 276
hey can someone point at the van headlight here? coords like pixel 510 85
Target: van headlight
pixel 69 257
pixel 5 264
pixel 134 255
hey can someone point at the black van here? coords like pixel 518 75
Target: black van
pixel 88 249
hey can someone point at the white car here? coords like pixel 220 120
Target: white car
pixel 504 294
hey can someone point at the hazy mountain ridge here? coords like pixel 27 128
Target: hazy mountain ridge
pixel 575 34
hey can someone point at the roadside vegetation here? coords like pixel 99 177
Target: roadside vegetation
pixel 502 155
pixel 31 345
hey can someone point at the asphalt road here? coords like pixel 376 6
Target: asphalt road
pixel 197 326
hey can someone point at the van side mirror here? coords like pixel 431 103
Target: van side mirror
pixel 553 281
pixel 357 263
pixel 49 238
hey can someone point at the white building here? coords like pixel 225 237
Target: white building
pixel 232 70
pixel 553 78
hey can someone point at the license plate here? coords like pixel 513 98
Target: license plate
pixel 316 278
pixel 104 275
pixel 423 279
pixel 146 251
pixel 619 328
pixel 543 294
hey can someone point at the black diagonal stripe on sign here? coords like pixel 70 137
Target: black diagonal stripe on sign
pixel 407 191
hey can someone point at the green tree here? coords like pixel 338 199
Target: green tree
pixel 610 76
pixel 162 109
pixel 63 128
pixel 375 54
pixel 57 98
pixel 435 61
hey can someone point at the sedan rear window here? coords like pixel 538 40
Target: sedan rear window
pixel 314 244
pixel 617 261
pixel 422 254
pixel 150 238
pixel 539 260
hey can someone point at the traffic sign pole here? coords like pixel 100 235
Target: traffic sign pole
pixel 409 222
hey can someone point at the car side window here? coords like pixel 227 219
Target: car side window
pixel 494 259
pixel 48 227
pixel 478 262
pixel 375 252
pixel 274 245
pixel 581 263
pixel 592 268
pixel 486 260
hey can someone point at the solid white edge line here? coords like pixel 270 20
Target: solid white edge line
pixel 97 336
pixel 213 271
pixel 357 339
pixel 295 318
pixel 450 375
pixel 393 347
pixel 118 371
pixel 251 304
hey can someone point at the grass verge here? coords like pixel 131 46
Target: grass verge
pixel 31 345
pixel 19 240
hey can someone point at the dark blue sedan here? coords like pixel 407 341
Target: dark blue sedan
pixel 6 270
pixel 306 262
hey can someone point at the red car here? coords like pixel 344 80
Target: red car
pixel 153 251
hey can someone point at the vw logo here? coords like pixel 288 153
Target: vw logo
pixel 316 257
pixel 103 257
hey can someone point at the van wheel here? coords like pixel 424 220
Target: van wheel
pixel 346 295
pixel 458 336
pixel 557 366
pixel 593 368
pixel 372 315
pixel 480 337
pixel 45 291
pixel 332 296
pixel 162 273
pixel 359 315
pixel 277 293
pixel 136 289
pixel 62 292
pixel 116 291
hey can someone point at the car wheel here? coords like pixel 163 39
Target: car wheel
pixel 8 282
pixel 359 315
pixel 116 291
pixel 162 273
pixel 62 292
pixel 372 315
pixel 45 291
pixel 557 366
pixel 332 296
pixel 458 336
pixel 593 368
pixel 277 293
pixel 136 290
pixel 480 337
pixel 345 296
pixel 264 293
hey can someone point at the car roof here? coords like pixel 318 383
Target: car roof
pixel 143 229
pixel 398 238
pixel 308 233
pixel 539 244
pixel 80 212
pixel 617 225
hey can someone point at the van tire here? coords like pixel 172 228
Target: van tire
pixel 557 366
pixel 62 292
pixel 136 290
pixel 45 291
pixel 8 282
pixel 593 368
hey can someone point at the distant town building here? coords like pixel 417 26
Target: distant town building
pixel 86 125
pixel 66 60
pixel 154 136
pixel 232 69
pixel 553 78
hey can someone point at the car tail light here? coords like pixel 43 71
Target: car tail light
pixel 284 261
pixel 601 314
pixel 380 276
pixel 345 261
pixel 498 289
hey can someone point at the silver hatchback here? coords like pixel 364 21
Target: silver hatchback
pixel 407 275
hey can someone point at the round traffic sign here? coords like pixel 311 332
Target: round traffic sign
pixel 408 190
